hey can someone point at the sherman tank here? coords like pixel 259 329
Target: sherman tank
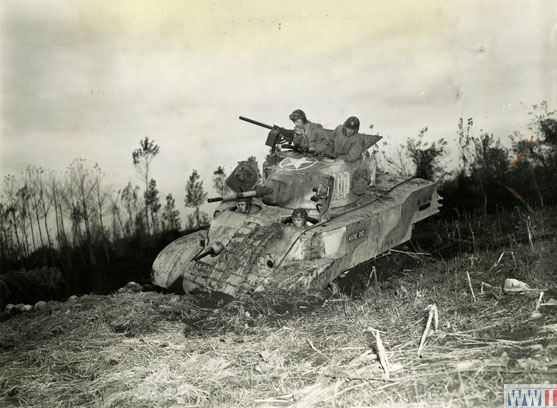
pixel 351 219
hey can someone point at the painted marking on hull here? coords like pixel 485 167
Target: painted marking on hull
pixel 203 267
pixel 357 235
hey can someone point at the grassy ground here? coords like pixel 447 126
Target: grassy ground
pixel 151 349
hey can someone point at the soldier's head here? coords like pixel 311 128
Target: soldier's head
pixel 299 217
pixel 351 126
pixel 243 205
pixel 298 117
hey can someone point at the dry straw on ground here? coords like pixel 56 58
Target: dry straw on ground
pixel 291 350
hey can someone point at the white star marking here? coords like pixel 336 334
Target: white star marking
pixel 297 164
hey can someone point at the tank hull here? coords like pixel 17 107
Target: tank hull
pixel 259 250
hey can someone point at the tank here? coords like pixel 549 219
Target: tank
pixel 349 222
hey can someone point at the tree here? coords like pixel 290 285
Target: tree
pixel 195 197
pixel 426 156
pixel 170 215
pixel 79 191
pixel 397 161
pixel 219 180
pixel 10 192
pixel 129 196
pixel 153 203
pixel 39 199
pixel 23 196
pixel 118 228
pixel 5 244
pixel 544 124
pixel 489 167
pixel 55 193
pixel 465 144
pixel 100 198
pixel 142 158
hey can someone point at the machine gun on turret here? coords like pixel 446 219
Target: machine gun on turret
pixel 275 133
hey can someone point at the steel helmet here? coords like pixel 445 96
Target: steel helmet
pixel 352 123
pixel 300 212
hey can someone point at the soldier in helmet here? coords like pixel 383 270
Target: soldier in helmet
pixel 306 134
pixel 243 205
pixel 348 143
pixel 299 217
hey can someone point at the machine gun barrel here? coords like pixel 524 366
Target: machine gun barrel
pixel 275 136
pixel 258 192
pixel 256 122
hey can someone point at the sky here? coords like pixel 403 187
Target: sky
pixel 91 79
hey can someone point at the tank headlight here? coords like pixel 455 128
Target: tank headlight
pixel 270 263
pixel 202 241
pixel 266 261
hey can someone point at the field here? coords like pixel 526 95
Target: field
pixel 359 347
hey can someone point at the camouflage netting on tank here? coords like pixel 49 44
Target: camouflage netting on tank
pixel 31 286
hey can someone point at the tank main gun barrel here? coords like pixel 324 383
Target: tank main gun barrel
pixel 258 192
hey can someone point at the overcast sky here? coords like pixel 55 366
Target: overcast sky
pixel 92 78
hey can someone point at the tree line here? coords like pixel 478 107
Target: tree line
pixel 44 214
pixel 488 174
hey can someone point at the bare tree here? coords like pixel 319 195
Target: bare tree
pixel 23 197
pixel 142 158
pixel 117 224
pixel 44 203
pixel 10 192
pixel 39 199
pixel 129 197
pixel 32 197
pixel 396 161
pixel 55 193
pixel 5 245
pixel 79 187
pixel 100 197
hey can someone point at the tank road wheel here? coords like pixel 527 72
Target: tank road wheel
pixel 174 260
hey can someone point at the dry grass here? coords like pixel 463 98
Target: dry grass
pixel 292 350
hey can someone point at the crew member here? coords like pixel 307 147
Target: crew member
pixel 299 217
pixel 306 133
pixel 243 205
pixel 348 143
